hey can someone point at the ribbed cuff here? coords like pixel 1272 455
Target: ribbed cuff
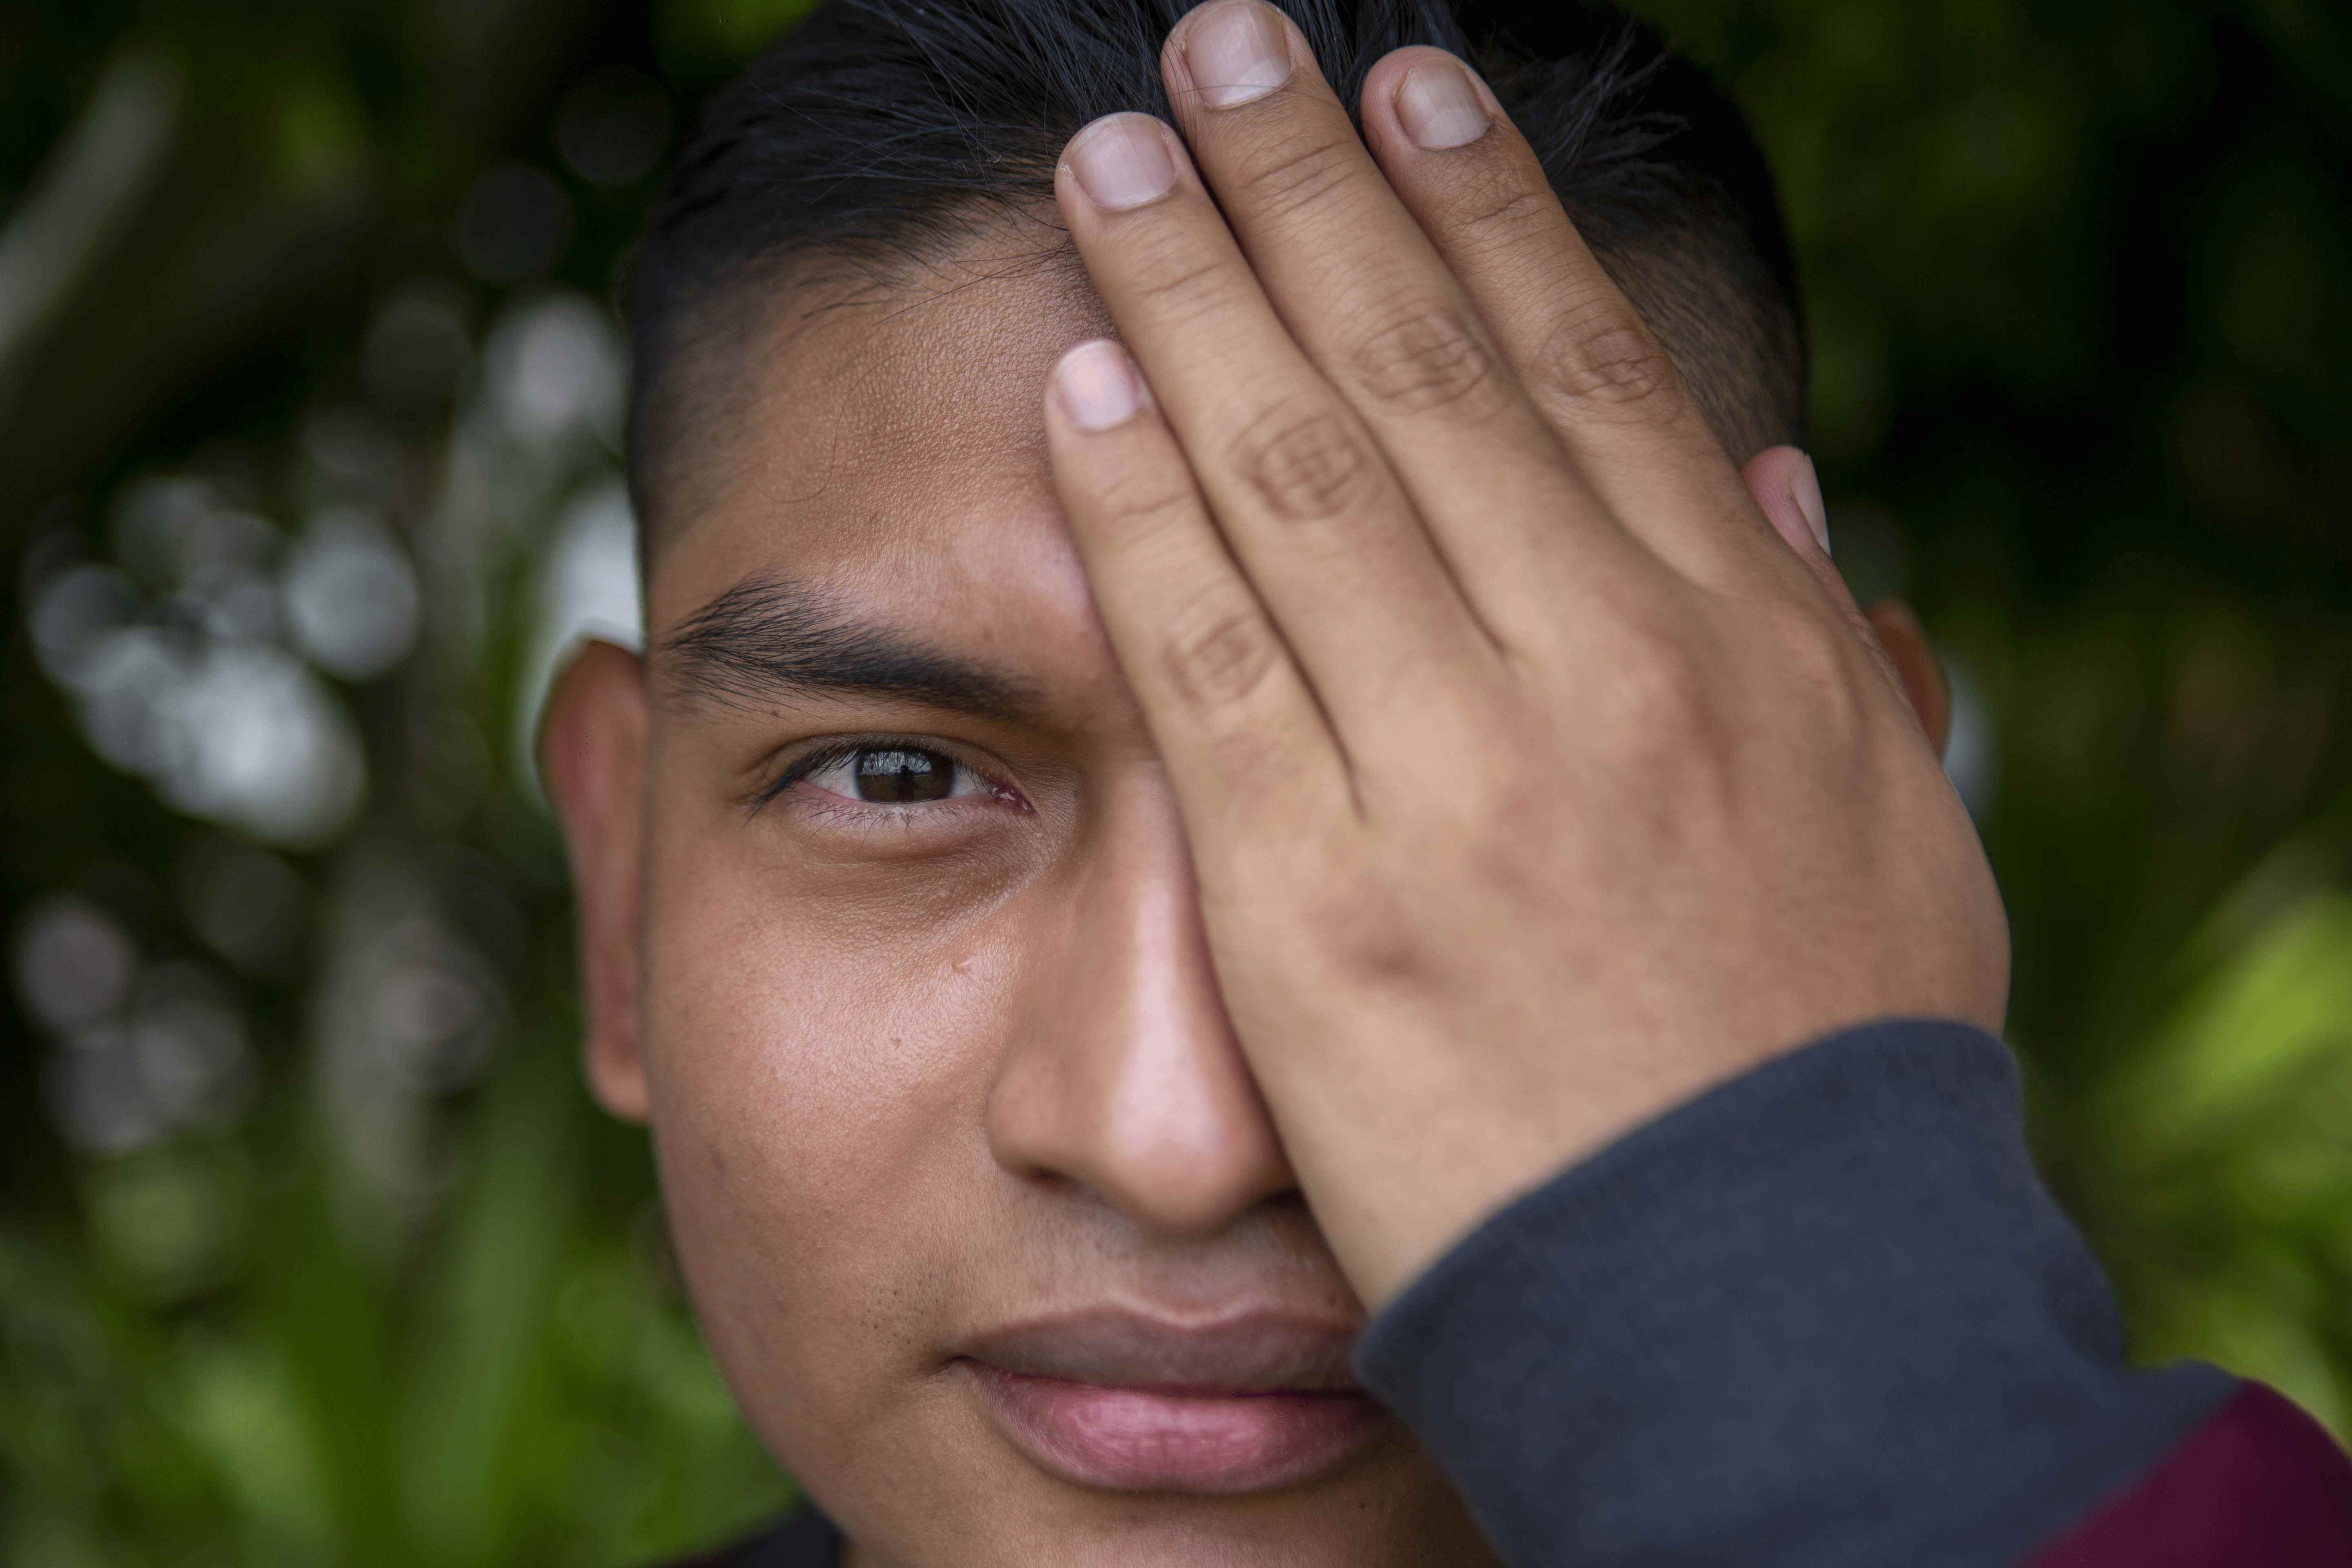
pixel 1825 1314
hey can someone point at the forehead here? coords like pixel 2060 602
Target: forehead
pixel 886 447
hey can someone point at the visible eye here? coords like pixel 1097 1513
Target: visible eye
pixel 896 775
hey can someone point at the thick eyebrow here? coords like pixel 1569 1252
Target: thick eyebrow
pixel 769 638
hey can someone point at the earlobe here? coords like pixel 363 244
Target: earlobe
pixel 592 756
pixel 1905 642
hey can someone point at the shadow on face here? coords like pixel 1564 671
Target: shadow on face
pixel 890 932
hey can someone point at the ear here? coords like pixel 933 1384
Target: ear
pixel 1905 643
pixel 592 754
pixel 1781 482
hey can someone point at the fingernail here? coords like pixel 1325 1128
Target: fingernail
pixel 1805 489
pixel 1236 53
pixel 1121 161
pixel 1097 386
pixel 1440 107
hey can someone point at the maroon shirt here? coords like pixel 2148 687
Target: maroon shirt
pixel 2259 1482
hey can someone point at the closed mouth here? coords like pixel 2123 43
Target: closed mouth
pixel 1119 1401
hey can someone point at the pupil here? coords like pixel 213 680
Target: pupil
pixel 897 776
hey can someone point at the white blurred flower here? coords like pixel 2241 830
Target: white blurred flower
pixel 192 693
pixel 234 602
pixel 72 609
pixel 238 734
pixel 350 595
pixel 152 516
pixel 172 531
pixel 251 739
pixel 126 680
pixel 555 369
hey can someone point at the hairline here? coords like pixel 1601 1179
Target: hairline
pixel 1671 277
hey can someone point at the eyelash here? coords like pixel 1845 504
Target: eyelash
pixel 800 769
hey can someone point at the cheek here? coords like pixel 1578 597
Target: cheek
pixel 817 1077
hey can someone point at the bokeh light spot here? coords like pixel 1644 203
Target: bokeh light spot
pixel 72 964
pixel 350 595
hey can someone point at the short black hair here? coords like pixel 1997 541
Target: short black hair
pixel 882 133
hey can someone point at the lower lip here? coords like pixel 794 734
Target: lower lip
pixel 1131 1439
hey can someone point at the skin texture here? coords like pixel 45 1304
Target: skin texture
pixel 916 1074
pixel 1536 777
pixel 1326 877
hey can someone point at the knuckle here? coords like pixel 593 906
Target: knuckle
pixel 1832 666
pixel 1663 695
pixel 1427 358
pixel 1510 802
pixel 1601 359
pixel 1140 500
pixel 1497 212
pixel 1179 277
pixel 1218 650
pixel 1291 174
pixel 1303 464
pixel 1808 644
pixel 1500 862
pixel 1370 937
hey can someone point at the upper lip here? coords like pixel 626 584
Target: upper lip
pixel 1118 1348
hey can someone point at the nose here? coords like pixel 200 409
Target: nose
pixel 1124 1076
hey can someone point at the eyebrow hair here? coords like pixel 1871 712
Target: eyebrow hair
pixel 769 636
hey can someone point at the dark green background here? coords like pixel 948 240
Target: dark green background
pixel 2079 276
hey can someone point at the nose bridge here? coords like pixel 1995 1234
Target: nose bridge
pixel 1124 1075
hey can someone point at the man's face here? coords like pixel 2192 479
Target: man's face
pixel 982 1215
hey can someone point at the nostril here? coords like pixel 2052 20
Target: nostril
pixel 1181 1154
pixel 1191 1168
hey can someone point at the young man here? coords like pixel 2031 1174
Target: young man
pixel 1328 943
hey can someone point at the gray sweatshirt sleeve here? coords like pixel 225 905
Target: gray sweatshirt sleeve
pixel 1825 1314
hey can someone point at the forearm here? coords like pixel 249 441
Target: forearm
pixel 1825 1314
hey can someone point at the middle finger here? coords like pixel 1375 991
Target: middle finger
pixel 1374 305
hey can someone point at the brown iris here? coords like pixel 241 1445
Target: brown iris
pixel 898 774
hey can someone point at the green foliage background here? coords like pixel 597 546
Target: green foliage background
pixel 2078 272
